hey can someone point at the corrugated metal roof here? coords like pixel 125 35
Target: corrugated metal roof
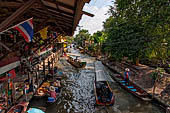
pixel 101 73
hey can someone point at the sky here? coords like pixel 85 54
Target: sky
pixel 93 24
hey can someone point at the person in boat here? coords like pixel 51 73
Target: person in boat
pixel 76 57
pixel 77 60
pixel 105 92
pixel 127 75
pixel 52 92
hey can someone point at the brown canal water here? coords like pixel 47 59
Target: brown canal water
pixel 78 94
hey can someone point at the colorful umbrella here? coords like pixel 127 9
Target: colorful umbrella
pixel 35 110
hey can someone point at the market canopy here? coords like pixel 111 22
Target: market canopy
pixel 101 73
pixel 61 15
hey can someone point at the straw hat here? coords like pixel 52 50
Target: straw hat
pixel 52 88
pixel 127 69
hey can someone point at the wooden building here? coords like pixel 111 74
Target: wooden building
pixel 28 59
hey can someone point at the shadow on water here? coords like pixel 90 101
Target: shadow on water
pixel 78 94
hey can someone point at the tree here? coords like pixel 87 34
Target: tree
pixel 70 39
pixel 98 38
pixel 137 27
pixel 81 37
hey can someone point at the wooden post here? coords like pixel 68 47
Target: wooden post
pixel 7 88
pixel 14 92
pixel 37 77
pixel 52 61
pixel 48 64
pixel 33 84
pixel 44 67
pixel 54 57
pixel 28 77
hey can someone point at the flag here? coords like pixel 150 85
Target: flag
pixel 43 33
pixel 26 29
pixel 12 74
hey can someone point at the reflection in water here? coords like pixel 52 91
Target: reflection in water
pixel 78 94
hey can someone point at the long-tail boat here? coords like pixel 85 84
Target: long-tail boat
pixel 131 87
pixel 103 92
pixel 19 108
pixel 76 62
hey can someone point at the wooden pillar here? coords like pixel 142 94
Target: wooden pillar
pixel 14 92
pixel 20 69
pixel 37 75
pixel 52 61
pixel 28 77
pixel 54 57
pixel 44 67
pixel 0 46
pixel 7 88
pixel 48 64
pixel 33 81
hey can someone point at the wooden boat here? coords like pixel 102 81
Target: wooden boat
pixel 19 108
pixel 42 90
pixel 103 93
pixel 76 63
pixel 58 90
pixel 131 87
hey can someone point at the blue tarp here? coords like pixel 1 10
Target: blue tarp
pixel 35 110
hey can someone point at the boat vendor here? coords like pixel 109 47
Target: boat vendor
pixel 52 92
pixel 127 75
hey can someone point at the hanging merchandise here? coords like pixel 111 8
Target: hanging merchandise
pixel 43 33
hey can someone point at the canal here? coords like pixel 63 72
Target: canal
pixel 78 94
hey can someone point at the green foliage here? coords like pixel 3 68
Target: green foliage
pixel 91 47
pixel 81 37
pixel 70 39
pixel 157 74
pixel 138 29
pixel 154 75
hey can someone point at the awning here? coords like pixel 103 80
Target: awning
pixel 101 73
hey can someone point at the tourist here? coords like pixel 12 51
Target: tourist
pixel 126 76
